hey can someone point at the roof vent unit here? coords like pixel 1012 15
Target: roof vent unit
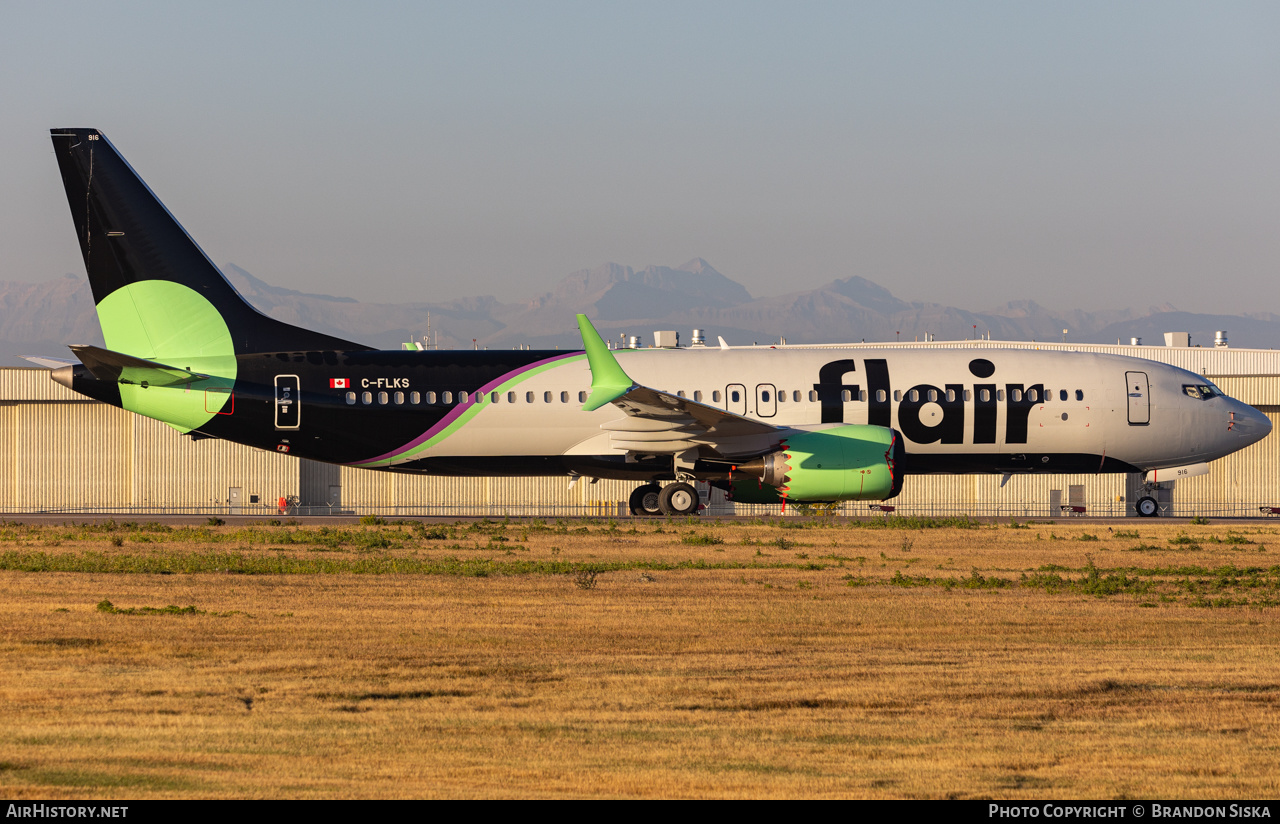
pixel 666 339
pixel 1135 341
pixel 1182 339
pixel 698 338
pixel 1220 339
pixel 633 342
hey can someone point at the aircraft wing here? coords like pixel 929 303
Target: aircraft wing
pixel 106 365
pixel 661 422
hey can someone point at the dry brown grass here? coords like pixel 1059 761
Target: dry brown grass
pixel 762 679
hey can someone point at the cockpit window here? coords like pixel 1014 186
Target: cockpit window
pixel 1201 392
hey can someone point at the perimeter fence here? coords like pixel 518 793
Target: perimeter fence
pixel 715 508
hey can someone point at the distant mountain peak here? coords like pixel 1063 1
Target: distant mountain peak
pixel 867 293
pixel 698 266
pixel 248 285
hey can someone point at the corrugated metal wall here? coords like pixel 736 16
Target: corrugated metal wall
pixel 65 455
pixel 423 494
pixel 171 470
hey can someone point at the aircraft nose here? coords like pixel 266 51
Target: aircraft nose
pixel 1247 424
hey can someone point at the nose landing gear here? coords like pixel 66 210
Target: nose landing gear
pixel 1146 507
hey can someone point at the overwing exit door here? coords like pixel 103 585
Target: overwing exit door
pixel 1139 391
pixel 766 400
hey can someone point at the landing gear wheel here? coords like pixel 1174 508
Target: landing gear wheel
pixel 678 499
pixel 644 500
pixel 1147 507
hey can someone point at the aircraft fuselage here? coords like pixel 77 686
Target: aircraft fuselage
pixel 981 409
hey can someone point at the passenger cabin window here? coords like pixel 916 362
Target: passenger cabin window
pixel 399 398
pixel 845 395
pixel 528 397
pixel 697 395
pixel 351 397
pixel 913 395
pixel 933 396
pixel 367 397
pixel 782 396
pixel 795 396
pixel 813 396
pixel 382 397
pixel 984 395
pixel 511 397
pixel 715 396
pixel 1000 395
pixel 1015 395
pixel 1062 394
pixel 897 395
pixel 951 395
pixel 494 397
pixel 1033 395
pixel 582 397
pixel 462 397
pixel 1079 395
pixel 880 396
pixel 415 398
pixel 546 397
pixel 564 397
pixel 446 397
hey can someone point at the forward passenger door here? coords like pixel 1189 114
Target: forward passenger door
pixel 1139 391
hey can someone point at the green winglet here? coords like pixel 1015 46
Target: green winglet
pixel 608 381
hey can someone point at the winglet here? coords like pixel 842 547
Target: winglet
pixel 608 381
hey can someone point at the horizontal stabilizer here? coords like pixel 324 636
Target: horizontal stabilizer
pixel 118 367
pixel 48 363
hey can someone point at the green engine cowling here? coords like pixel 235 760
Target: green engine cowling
pixel 844 463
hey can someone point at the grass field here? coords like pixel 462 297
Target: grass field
pixel 896 658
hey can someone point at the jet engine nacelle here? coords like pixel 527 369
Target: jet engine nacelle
pixel 844 463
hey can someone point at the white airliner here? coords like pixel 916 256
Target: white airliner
pixel 766 424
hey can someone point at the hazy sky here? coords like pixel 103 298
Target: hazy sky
pixel 1077 154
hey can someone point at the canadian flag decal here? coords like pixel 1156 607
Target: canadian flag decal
pixel 339 383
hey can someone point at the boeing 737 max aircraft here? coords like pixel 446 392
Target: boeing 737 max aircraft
pixel 765 424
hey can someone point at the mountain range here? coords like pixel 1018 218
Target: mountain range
pixel 41 318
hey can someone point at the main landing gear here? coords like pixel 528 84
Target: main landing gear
pixel 674 499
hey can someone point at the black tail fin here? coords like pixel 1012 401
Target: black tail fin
pixel 128 237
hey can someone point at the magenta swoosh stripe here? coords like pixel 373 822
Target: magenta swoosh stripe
pixel 458 409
